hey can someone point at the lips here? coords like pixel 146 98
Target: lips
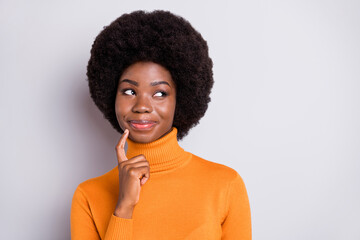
pixel 141 124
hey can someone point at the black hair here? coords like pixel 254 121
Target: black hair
pixel 160 37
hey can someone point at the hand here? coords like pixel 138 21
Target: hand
pixel 133 173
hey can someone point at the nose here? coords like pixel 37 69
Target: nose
pixel 142 105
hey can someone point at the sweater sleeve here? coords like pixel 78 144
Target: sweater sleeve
pixel 83 225
pixel 119 229
pixel 237 224
pixel 81 220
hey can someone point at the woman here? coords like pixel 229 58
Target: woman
pixel 151 76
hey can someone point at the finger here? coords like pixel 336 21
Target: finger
pixel 139 172
pixel 120 147
pixel 144 178
pixel 126 165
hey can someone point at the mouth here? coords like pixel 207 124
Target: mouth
pixel 141 124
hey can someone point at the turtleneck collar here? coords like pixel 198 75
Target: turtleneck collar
pixel 163 154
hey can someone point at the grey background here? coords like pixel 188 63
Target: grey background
pixel 285 110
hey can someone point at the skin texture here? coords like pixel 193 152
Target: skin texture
pixel 133 173
pixel 139 99
pixel 145 106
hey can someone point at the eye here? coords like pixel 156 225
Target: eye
pixel 128 92
pixel 160 94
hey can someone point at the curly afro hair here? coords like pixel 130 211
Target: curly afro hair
pixel 160 37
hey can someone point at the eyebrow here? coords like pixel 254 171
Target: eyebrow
pixel 130 81
pixel 137 84
pixel 158 83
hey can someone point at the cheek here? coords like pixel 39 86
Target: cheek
pixel 120 110
pixel 173 110
pixel 167 110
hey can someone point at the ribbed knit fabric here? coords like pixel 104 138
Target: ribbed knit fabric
pixel 163 155
pixel 186 197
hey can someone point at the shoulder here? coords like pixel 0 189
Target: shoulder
pixel 219 172
pixel 96 185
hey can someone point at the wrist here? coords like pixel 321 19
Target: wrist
pixel 123 212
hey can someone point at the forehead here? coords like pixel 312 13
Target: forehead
pixel 147 72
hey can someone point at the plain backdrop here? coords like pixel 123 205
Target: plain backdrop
pixel 285 110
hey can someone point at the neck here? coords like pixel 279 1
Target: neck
pixel 163 154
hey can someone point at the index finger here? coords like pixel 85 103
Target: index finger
pixel 120 147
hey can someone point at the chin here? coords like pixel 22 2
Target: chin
pixel 140 138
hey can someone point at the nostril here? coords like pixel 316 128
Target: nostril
pixel 142 106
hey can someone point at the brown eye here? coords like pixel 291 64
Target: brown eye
pixel 160 94
pixel 129 92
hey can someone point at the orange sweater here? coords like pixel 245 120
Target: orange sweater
pixel 186 197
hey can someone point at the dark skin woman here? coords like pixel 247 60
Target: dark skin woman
pixel 145 107
pixel 150 75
